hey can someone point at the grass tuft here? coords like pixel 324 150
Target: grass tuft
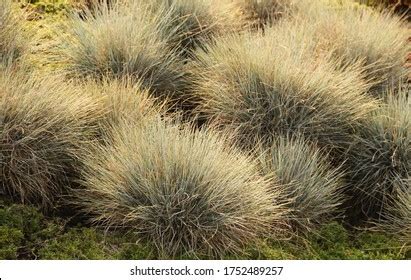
pixel 380 158
pixel 263 13
pixel 397 217
pixel 125 101
pixel 311 187
pixel 184 191
pixel 123 41
pixel 377 39
pixel 43 125
pixel 12 42
pixel 195 22
pixel 265 86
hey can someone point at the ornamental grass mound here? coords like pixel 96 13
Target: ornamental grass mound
pixel 397 218
pixel 379 160
pixel 12 42
pixel 124 100
pixel 268 85
pixel 44 125
pixel 311 187
pixel 185 191
pixel 262 13
pixel 195 22
pixel 378 39
pixel 123 41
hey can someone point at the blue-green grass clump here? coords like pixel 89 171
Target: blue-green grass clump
pixel 44 125
pixel 13 44
pixel 185 191
pixel 268 85
pixel 379 160
pixel 125 40
pixel 311 188
pixel 196 22
pixel 124 100
pixel 396 219
pixel 377 39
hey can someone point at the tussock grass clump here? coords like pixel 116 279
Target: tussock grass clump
pixel 380 158
pixel 125 101
pixel 184 191
pixel 43 125
pixel 261 13
pixel 379 40
pixel 397 219
pixel 310 185
pixel 123 41
pixel 197 21
pixel 12 43
pixel 264 86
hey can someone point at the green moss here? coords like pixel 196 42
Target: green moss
pixel 26 219
pixel 10 241
pixel 335 242
pixel 332 242
pixel 25 233
pixel 135 251
pixel 78 244
pixel 271 250
pixel 25 226
pixel 376 245
pixel 88 243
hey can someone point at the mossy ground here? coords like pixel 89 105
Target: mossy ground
pixel 26 233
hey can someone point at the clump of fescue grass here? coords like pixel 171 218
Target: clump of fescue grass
pixel 264 86
pixel 123 40
pixel 261 13
pixel 377 39
pixel 198 21
pixel 12 42
pixel 380 157
pixel 44 123
pixel 185 191
pixel 311 188
pixel 399 6
pixel 186 23
pixel 125 101
pixel 397 217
